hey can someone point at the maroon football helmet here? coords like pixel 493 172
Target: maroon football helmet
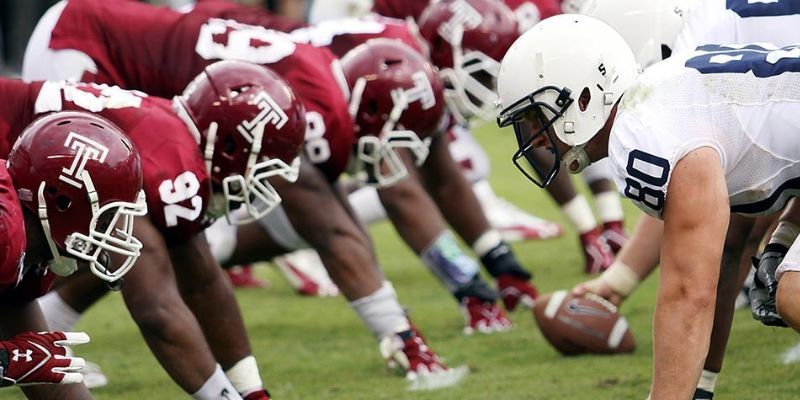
pixel 396 101
pixel 83 178
pixel 400 9
pixel 250 126
pixel 468 39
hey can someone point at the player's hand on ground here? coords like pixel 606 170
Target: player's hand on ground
pixel 765 286
pixel 32 358
pixel 599 287
pixel 483 316
pixel 515 290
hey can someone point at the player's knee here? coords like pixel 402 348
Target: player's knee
pixel 787 301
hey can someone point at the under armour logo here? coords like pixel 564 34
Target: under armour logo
pixel 464 17
pixel 270 113
pixel 421 91
pixel 85 149
pixel 27 356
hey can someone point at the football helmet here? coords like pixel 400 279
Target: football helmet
pixel 82 177
pixel 549 87
pixel 250 126
pixel 467 40
pixel 400 9
pixel 396 102
pixel 650 27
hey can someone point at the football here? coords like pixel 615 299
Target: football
pixel 582 325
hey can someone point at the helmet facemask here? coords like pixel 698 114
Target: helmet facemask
pixel 110 231
pixel 533 122
pixel 379 156
pixel 470 85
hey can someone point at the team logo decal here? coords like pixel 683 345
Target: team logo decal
pixel 85 149
pixel 464 17
pixel 422 92
pixel 270 114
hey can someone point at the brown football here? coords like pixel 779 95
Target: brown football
pixel 582 325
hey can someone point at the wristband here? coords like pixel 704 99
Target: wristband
pixel 622 279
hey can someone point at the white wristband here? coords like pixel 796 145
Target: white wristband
pixel 622 279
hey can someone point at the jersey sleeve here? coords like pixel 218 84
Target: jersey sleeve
pixel 12 233
pixel 643 157
pixel 709 22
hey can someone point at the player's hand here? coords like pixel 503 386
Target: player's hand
pixel 599 287
pixel 515 290
pixel 32 358
pixel 765 286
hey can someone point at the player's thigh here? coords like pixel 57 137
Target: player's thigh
pixel 788 297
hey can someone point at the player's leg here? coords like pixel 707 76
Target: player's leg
pixel 167 324
pixel 70 298
pixel 209 295
pixel 596 252
pixel 607 202
pixel 43 63
pixel 788 301
pixel 462 210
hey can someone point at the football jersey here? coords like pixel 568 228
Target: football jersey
pixel 175 179
pixel 227 9
pixel 742 101
pixel 160 51
pixel 12 232
pixel 341 35
pixel 740 21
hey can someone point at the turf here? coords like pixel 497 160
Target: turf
pixel 317 348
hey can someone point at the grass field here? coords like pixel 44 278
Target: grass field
pixel 318 349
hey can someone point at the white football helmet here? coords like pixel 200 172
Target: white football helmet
pixel 562 78
pixel 650 27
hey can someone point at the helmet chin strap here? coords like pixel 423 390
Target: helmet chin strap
pixel 576 156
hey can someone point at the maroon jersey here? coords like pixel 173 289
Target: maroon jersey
pixel 228 9
pixel 175 179
pixel 341 35
pixel 12 232
pixel 159 51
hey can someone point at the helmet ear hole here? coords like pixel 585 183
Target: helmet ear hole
pixel 228 146
pixel 390 62
pixel 584 99
pixel 666 52
pixel 63 203
pixel 372 107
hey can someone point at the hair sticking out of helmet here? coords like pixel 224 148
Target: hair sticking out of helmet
pixel 250 126
pixel 81 176
pixel 650 27
pixel 397 102
pixel 555 92
pixel 467 40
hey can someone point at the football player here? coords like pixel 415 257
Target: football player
pixel 654 31
pixel 577 110
pixel 70 188
pixel 258 132
pixel 409 207
pixel 92 39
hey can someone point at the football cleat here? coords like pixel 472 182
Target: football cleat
pixel 700 394
pixel 483 316
pixel 409 354
pixel 615 236
pixel 242 277
pixel 304 270
pixel 515 290
pixel 596 252
pixel 93 376
pixel 514 224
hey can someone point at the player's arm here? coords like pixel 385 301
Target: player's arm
pixel 315 212
pixel 696 217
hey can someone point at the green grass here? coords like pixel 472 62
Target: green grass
pixel 318 349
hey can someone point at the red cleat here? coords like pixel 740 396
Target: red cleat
pixel 483 316
pixel 615 236
pixel 257 395
pixel 242 277
pixel 596 252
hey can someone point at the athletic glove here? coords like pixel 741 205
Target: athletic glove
pixel 32 358
pixel 762 295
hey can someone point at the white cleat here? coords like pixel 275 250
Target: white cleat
pixel 93 376
pixel 513 223
pixel 304 270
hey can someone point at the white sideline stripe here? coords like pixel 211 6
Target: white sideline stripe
pixel 792 355
pixel 554 304
pixel 617 332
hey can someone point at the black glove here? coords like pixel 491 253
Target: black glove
pixel 762 295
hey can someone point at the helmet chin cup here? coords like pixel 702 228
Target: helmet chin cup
pixel 381 160
pixel 576 159
pixel 254 192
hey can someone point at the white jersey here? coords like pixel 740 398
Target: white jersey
pixel 741 100
pixel 740 21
